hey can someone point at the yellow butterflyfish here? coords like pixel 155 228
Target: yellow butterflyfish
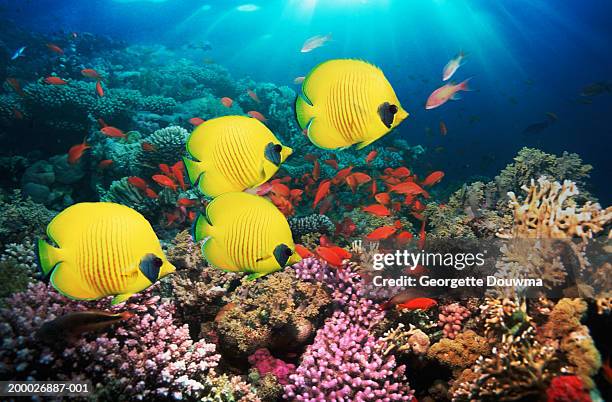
pixel 346 102
pixel 232 153
pixel 243 232
pixel 104 249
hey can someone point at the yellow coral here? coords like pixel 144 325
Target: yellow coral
pixel 461 352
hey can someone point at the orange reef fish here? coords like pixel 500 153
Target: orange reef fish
pixel 91 73
pixel 76 152
pixel 55 81
pixel 164 181
pixel 112 132
pixel 55 48
pixel 315 42
pixel 383 198
pixel 150 193
pixel 332 162
pixel 148 147
pixel 99 89
pixel 422 236
pixel 377 209
pixel 382 233
pixel 330 255
pixel 322 192
pixel 227 102
pixel 443 129
pixel 371 156
pixel 69 327
pixel 316 171
pixel 409 188
pixel 432 178
pixel 165 169
pixel 177 171
pixel 105 163
pixel 186 202
pixel 196 121
pixel 137 182
pixel 14 83
pixel 419 303
pixel 303 251
pixel 452 66
pixel 253 96
pixel 256 115
pixel 449 91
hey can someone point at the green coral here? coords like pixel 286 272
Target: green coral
pixel 21 217
pixel 168 147
pixel 532 163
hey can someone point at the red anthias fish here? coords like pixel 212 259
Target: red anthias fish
pixel 99 89
pixel 150 193
pixel 55 81
pixel 331 162
pixel 165 169
pixel 112 132
pixel 186 202
pixel 341 175
pixel 103 164
pixel 328 254
pixel 148 147
pixel 325 205
pixel 256 115
pixel 227 102
pixel 419 303
pixel 76 152
pixel 382 233
pixel 383 198
pixel 345 228
pixel 377 209
pixel 409 188
pixel 137 182
pixel 303 251
pixel 449 91
pixel 54 48
pixel 91 73
pixel 371 156
pixel 253 96
pixel 196 121
pixel 432 178
pixel 322 192
pixel 316 171
pixel 14 83
pixel 177 172
pixel 164 181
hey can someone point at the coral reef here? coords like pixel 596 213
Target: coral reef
pixel 168 147
pixel 265 364
pixel 450 318
pixel 277 312
pixel 460 352
pixel 148 356
pixel 314 223
pixel 21 217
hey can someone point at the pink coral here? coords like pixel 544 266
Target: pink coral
pixel 450 318
pixel 146 357
pixel 265 363
pixel 345 361
pixel 567 388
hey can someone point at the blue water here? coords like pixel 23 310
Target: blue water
pixel 526 57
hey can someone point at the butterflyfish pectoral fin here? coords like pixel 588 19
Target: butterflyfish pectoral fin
pixel 255 275
pixel 120 298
